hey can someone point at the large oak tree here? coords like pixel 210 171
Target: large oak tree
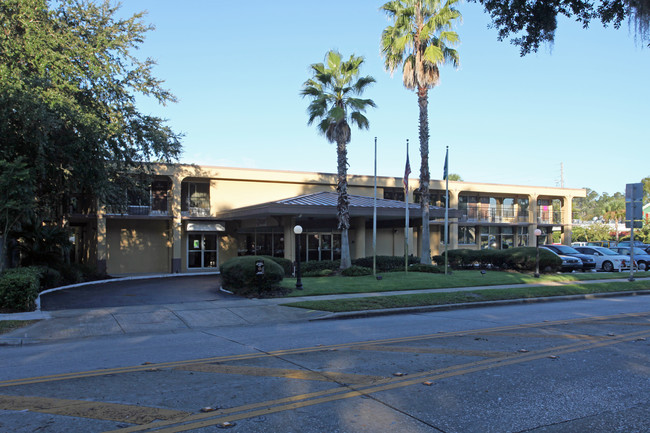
pixel 68 85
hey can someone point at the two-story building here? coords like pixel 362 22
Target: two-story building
pixel 197 217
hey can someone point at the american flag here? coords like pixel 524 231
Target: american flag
pixel 407 171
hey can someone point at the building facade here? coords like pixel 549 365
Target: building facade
pixel 198 217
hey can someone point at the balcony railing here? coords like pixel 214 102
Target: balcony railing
pixel 196 212
pixel 138 210
pixel 548 217
pixel 494 215
pixel 511 216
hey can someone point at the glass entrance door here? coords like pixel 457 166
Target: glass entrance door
pixel 202 251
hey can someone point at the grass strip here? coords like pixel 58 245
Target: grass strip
pixel 11 325
pixel 397 281
pixel 445 298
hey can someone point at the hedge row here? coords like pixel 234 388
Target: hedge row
pixel 518 259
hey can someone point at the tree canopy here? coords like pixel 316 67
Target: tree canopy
pixel 68 87
pixel 531 23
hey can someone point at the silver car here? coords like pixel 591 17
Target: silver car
pixel 641 258
pixel 606 259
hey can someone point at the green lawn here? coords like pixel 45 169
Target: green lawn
pixel 444 298
pixel 395 281
pixel 10 325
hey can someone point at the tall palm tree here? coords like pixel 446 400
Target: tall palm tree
pixel 418 42
pixel 334 89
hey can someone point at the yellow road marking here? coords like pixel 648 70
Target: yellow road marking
pixel 435 350
pixel 325 376
pixel 295 402
pixel 532 335
pixel 90 409
pixel 137 368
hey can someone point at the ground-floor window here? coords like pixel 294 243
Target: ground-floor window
pixel 466 235
pixel 202 250
pixel 261 242
pixel 522 236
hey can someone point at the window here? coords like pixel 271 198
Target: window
pixel 394 194
pixel 523 209
pixel 159 193
pixel 508 209
pixel 264 241
pixel 522 236
pixel 468 207
pixel 507 238
pixel 466 235
pixel 202 251
pixel 489 237
pixel 195 198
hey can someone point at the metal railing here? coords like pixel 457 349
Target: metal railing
pixel 137 210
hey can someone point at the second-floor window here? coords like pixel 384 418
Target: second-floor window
pixel 195 195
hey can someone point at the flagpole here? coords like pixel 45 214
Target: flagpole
pixel 446 175
pixel 374 220
pixel 407 171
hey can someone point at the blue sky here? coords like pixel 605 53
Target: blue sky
pixel 237 69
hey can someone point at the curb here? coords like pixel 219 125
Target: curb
pixel 448 307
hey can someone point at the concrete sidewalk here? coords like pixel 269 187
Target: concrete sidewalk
pixel 227 311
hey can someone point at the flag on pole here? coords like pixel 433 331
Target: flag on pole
pixel 407 171
pixel 445 172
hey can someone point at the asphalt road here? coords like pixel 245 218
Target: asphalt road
pixel 156 291
pixel 578 366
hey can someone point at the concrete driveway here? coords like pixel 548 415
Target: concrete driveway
pixel 131 292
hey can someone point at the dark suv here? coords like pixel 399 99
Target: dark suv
pixel 588 262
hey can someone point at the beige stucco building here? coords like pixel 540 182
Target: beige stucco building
pixel 197 217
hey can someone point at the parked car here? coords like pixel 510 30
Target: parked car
pixel 588 262
pixel 606 244
pixel 606 259
pixel 641 258
pixel 637 244
pixel 569 263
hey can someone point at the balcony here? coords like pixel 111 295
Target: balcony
pixel 492 215
pixel 549 217
pixel 138 210
pixel 196 212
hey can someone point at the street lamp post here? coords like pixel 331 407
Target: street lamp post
pixel 298 230
pixel 538 233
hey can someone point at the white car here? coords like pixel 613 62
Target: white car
pixel 606 259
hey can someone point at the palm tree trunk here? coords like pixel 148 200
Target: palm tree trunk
pixel 343 203
pixel 423 102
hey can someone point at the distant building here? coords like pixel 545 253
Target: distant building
pixel 197 217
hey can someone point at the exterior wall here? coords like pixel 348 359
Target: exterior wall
pixel 155 245
pixel 137 246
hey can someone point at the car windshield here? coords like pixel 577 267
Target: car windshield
pixel 563 249
pixel 606 251
pixel 639 251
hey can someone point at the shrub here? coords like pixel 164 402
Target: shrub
pixel 321 273
pixel 19 288
pixel 356 271
pixel 48 277
pixel 315 266
pixel 419 267
pixel 286 264
pixel 239 275
pixel 519 259
pixel 385 263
